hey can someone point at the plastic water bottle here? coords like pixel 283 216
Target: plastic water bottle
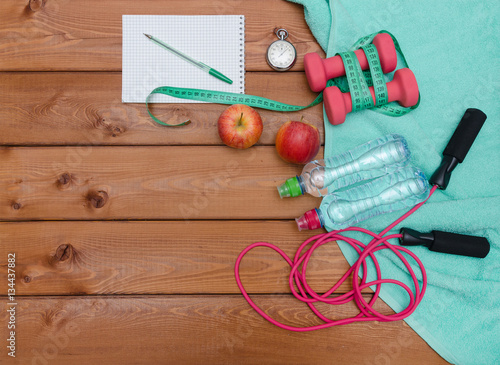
pixel 370 160
pixel 399 190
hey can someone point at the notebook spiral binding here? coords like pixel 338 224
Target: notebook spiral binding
pixel 242 53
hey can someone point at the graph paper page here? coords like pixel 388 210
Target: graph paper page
pixel 216 40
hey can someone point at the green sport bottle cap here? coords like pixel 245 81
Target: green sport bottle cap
pixel 290 188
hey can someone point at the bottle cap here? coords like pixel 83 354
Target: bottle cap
pixel 290 188
pixel 309 221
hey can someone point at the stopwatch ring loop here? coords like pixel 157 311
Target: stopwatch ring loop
pixel 281 33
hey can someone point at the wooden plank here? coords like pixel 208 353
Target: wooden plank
pixel 60 258
pixel 87 35
pixel 200 330
pixel 146 183
pixel 85 108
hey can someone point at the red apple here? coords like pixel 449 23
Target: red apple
pixel 297 142
pixel 240 126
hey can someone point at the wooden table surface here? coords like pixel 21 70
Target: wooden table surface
pixel 126 232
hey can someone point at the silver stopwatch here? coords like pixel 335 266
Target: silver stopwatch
pixel 281 54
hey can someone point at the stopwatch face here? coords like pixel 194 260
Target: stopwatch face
pixel 281 55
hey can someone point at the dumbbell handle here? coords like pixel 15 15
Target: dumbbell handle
pixel 394 93
pixel 319 71
pixel 403 88
pixel 334 66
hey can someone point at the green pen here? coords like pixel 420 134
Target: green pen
pixel 198 64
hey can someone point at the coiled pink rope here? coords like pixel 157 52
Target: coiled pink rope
pixel 307 295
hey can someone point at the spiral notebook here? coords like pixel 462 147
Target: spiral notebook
pixel 216 40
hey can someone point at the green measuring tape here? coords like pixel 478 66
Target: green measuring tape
pixel 356 81
pixel 222 97
pixel 360 92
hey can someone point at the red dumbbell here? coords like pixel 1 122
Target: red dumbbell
pixel 403 89
pixel 319 71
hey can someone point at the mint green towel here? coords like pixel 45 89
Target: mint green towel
pixel 452 46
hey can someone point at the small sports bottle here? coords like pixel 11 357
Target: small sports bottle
pixel 399 190
pixel 370 160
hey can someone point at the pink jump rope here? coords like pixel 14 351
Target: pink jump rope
pixel 404 89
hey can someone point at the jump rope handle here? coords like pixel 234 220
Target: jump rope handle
pixel 458 146
pixel 454 153
pixel 445 242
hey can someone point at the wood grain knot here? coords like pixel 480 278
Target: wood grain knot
pixel 64 181
pixel 36 5
pixel 109 128
pixel 49 317
pixel 27 279
pixel 16 205
pixel 63 252
pixel 98 198
pixel 115 131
